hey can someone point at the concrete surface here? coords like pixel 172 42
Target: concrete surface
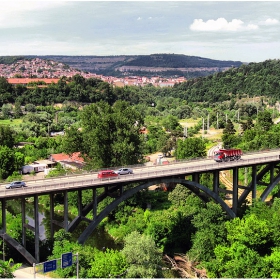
pixel 27 272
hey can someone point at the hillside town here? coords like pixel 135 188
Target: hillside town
pixel 46 70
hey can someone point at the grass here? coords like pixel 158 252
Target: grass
pixel 189 122
pixel 11 122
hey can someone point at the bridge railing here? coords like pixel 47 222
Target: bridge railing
pixel 140 166
pixel 75 182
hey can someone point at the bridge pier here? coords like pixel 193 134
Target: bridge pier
pixel 94 204
pixel 216 181
pixel 23 218
pixel 36 222
pixel 65 210
pixel 52 214
pixel 235 190
pixel 254 182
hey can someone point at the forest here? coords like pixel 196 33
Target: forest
pixel 153 227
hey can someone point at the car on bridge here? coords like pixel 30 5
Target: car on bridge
pixel 124 171
pixel 107 174
pixel 16 184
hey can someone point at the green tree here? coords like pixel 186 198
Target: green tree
pixel 190 148
pixel 73 140
pixel 171 123
pixel 7 136
pixel 178 196
pixel 6 111
pixel 142 256
pixel 110 134
pixel 229 128
pixel 17 110
pixel 108 264
pixel 210 232
pixel 236 261
pixel 7 161
pixel 264 120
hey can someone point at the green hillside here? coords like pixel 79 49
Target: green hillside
pixel 254 79
pixel 179 61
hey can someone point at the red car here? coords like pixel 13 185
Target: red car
pixel 107 174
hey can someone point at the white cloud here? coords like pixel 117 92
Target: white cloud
pixel 139 18
pixel 271 21
pixel 17 13
pixel 221 24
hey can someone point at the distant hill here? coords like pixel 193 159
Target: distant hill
pixel 164 65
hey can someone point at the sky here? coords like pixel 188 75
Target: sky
pixel 222 30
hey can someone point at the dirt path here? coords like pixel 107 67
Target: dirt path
pixel 27 272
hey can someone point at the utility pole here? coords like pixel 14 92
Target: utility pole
pixel 207 123
pixel 185 131
pixel 217 120
pixel 202 127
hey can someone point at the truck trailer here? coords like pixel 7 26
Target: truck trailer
pixel 224 155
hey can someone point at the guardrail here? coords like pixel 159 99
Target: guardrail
pixel 143 166
pixel 44 186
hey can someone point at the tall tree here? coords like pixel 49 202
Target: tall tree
pixel 264 121
pixel 7 136
pixel 142 256
pixel 190 148
pixel 229 128
pixel 109 134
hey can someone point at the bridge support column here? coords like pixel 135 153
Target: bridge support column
pixel 235 189
pixel 271 173
pixel 66 211
pixel 216 181
pixel 254 182
pixel 94 210
pixel 80 203
pixel 195 177
pixel 36 222
pixel 52 214
pixel 23 217
pixel 121 190
pixel 4 222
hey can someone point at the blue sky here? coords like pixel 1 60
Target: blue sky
pixel 224 30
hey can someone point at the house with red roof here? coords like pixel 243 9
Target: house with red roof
pixel 73 161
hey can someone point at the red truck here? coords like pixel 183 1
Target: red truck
pixel 227 155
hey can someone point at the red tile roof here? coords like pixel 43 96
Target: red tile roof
pixel 25 81
pixel 75 157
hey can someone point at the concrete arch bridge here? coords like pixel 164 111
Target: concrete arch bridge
pixel 188 173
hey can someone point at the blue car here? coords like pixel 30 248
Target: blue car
pixel 16 184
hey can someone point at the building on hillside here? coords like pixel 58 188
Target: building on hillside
pixel 26 81
pixel 38 166
pixel 74 161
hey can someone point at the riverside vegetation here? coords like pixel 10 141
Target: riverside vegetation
pixel 94 114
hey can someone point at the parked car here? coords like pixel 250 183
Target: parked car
pixel 107 174
pixel 124 171
pixel 16 184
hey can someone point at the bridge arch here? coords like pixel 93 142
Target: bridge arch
pixel 192 186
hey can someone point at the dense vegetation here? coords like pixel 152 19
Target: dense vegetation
pixel 10 59
pixel 179 61
pixel 252 80
pixel 103 123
